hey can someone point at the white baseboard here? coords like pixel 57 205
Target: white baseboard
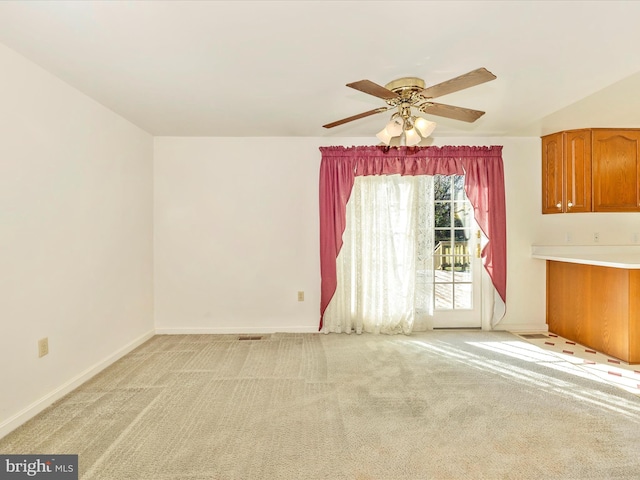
pixel 232 330
pixel 38 406
pixel 526 327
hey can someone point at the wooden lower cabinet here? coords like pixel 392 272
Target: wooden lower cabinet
pixel 598 307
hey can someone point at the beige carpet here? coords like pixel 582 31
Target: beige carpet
pixel 438 405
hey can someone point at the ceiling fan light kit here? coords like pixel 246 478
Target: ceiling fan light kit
pixel 406 93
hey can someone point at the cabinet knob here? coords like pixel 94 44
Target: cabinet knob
pixel 558 205
pixel 569 205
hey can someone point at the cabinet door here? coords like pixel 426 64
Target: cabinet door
pixel 567 289
pixel 616 170
pixel 552 174
pixel 577 168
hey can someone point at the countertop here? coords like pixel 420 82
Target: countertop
pixel 615 256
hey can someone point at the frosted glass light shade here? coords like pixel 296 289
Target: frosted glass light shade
pixel 392 129
pixel 425 127
pixel 395 126
pixel 411 137
pixel 384 136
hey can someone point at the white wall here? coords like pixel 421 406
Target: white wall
pixel 236 232
pixel 76 199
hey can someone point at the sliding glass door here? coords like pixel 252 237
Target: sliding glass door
pixel 456 259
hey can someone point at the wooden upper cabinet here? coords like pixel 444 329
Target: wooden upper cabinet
pixel 566 172
pixel 616 170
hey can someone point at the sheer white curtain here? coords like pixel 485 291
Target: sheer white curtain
pixel 385 266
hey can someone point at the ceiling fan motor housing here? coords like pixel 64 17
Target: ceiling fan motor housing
pixel 405 86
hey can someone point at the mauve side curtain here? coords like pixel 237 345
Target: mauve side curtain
pixel 484 185
pixel 337 175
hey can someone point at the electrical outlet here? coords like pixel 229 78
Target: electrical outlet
pixel 43 347
pixel 568 238
pixel 596 237
pixel 301 296
pixel 634 238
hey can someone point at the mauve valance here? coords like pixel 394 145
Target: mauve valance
pixel 419 152
pixel 484 186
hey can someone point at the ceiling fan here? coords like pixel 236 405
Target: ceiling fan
pixel 410 92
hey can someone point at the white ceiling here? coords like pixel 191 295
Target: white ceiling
pixel 279 68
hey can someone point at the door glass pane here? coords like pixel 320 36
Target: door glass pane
pixel 463 295
pixel 444 268
pixel 462 234
pixel 442 236
pixel 442 214
pixel 458 187
pixel 441 188
pixel 462 271
pixel 444 296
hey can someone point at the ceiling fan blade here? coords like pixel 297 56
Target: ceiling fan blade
pixel 367 86
pixel 449 111
pixel 356 117
pixel 471 79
